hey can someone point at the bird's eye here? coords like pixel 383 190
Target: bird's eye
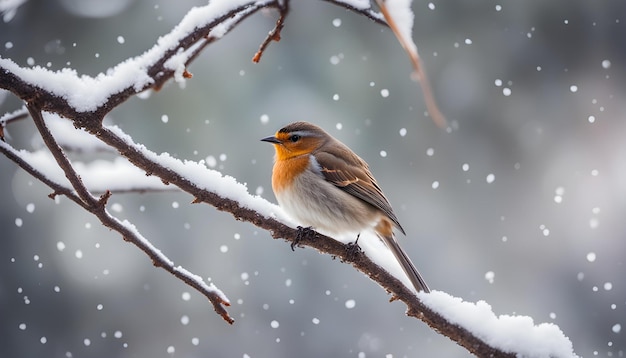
pixel 294 138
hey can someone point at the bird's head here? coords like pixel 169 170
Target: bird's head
pixel 295 139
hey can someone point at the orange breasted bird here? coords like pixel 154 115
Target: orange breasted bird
pixel 323 184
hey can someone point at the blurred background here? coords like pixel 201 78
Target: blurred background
pixel 521 203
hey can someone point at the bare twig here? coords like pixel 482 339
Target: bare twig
pixel 274 35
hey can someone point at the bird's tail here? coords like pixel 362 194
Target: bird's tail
pixel 406 264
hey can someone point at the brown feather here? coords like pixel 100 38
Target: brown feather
pixel 351 174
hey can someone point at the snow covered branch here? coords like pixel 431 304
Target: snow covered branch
pixel 86 100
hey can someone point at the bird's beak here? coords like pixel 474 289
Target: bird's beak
pixel 271 139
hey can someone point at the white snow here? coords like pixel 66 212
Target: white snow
pixel 400 11
pixel 513 334
pixel 208 287
pixel 357 4
pixel 84 93
pixel 350 304
pixel 8 8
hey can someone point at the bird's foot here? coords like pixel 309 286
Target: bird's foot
pixel 304 233
pixel 353 249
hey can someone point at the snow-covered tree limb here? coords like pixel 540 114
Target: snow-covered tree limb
pixel 86 100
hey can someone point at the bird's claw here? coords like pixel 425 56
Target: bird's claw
pixel 353 249
pixel 304 233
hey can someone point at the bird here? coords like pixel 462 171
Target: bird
pixel 323 184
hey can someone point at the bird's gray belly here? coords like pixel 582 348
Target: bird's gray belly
pixel 313 201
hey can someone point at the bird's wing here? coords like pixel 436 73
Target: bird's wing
pixel 353 176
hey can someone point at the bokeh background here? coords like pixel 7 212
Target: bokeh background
pixel 522 203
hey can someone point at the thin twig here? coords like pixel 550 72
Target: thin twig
pixel 273 35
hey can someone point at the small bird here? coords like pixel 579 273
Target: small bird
pixel 323 184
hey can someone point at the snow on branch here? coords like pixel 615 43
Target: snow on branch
pixel 514 334
pixel 86 100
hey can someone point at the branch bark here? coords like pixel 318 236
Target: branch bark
pixel 40 99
